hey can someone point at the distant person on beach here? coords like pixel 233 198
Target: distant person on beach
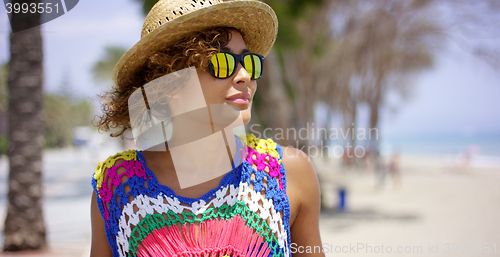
pixel 347 157
pixel 377 165
pixel 267 196
pixel 394 167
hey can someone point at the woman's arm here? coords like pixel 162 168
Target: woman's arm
pixel 304 195
pixel 100 246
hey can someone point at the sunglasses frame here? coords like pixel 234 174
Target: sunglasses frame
pixel 238 58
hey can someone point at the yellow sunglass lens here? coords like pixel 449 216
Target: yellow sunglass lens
pixel 223 64
pixel 253 66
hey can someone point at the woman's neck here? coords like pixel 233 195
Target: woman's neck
pixel 196 162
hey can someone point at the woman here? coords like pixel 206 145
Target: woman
pixel 143 203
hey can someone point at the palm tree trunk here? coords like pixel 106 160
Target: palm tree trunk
pixel 374 104
pixel 24 224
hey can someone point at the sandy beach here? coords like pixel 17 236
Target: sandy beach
pixel 435 209
pixel 438 209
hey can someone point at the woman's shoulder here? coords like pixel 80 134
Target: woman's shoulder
pixel 294 156
pixel 289 155
pixel 302 181
pixel 298 165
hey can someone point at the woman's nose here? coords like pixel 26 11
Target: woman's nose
pixel 242 76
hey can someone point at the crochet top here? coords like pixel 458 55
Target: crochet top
pixel 246 215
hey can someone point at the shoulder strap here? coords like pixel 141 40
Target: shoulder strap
pixel 100 172
pixel 265 156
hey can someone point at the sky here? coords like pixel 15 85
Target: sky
pixel 459 95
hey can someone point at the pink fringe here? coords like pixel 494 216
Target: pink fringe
pixel 214 238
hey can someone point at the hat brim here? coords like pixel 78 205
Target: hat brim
pixel 255 20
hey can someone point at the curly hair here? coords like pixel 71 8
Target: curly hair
pixel 194 50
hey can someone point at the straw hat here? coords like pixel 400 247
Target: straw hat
pixel 170 20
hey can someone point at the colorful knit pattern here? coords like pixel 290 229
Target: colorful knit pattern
pixel 247 215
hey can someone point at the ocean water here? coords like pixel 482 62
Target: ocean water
pixel 484 144
pixel 481 149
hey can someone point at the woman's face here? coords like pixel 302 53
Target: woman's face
pixel 237 90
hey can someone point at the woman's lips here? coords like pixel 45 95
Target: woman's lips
pixel 239 100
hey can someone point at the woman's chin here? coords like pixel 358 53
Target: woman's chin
pixel 246 116
pixel 245 112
